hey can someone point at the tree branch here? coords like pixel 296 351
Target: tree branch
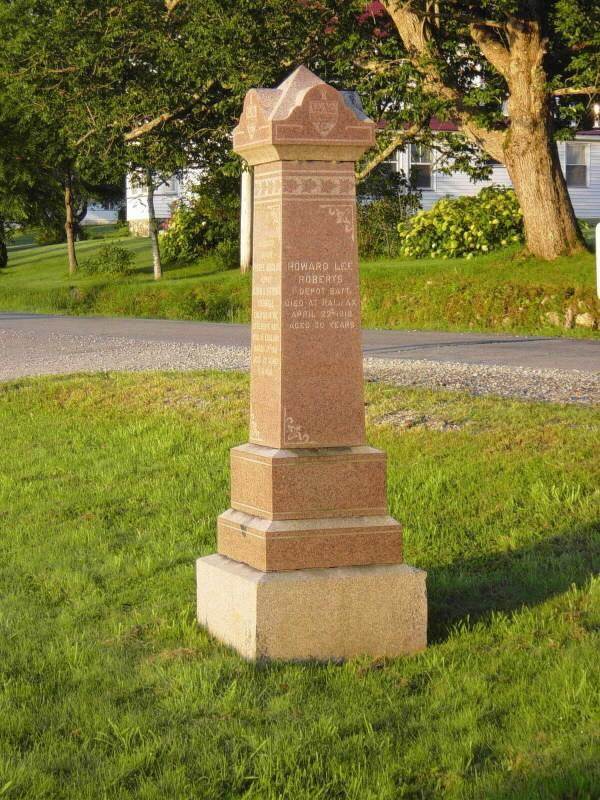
pixel 417 41
pixel 85 137
pixel 569 90
pixel 398 140
pixel 491 47
pixel 167 116
pixel 381 67
pixel 148 126
pixel 171 5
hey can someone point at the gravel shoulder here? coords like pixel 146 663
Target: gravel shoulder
pixel 26 354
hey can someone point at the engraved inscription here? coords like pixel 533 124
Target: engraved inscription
pixel 323 296
pixel 266 292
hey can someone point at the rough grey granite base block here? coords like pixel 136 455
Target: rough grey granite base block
pixel 313 614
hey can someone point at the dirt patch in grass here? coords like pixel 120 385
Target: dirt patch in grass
pixel 407 420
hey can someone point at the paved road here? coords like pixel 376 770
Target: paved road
pixel 52 336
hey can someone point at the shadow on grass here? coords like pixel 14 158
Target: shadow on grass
pixel 205 273
pixel 472 589
pixel 577 781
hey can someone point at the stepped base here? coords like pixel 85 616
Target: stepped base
pixel 271 545
pixel 308 483
pixel 313 614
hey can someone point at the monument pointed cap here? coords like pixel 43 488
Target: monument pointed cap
pixel 303 119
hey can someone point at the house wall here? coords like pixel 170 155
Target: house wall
pixel 165 196
pixel 100 215
pixel 137 204
pixel 586 200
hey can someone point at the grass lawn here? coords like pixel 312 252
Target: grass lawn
pixel 109 489
pixel 499 292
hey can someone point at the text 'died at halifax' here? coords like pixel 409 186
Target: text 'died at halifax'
pixel 321 295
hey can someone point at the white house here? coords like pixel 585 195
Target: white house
pixel 580 160
pixel 102 213
pixel 165 196
pixel 136 203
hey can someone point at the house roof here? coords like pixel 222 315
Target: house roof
pixel 442 125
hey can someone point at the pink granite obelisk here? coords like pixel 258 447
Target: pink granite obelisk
pixel 309 562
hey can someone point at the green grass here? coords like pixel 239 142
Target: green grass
pixel 28 236
pixel 504 291
pixel 109 489
pixel 37 280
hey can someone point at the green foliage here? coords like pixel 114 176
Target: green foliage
pixel 110 259
pixel 384 199
pixel 586 228
pixel 464 226
pixel 572 41
pixel 50 234
pixel 184 238
pixel 210 218
pixel 227 254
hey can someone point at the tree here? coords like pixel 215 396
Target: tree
pixel 206 54
pixel 515 75
pixel 61 65
pixel 28 189
pixel 103 78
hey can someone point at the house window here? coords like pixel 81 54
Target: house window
pixel 577 164
pixel 421 166
pixel 171 185
pixel 392 164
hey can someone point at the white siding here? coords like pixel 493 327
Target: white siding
pixel 586 200
pixel 164 196
pixel 99 215
pixel 459 184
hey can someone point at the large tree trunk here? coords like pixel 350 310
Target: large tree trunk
pixel 70 224
pixel 3 248
pixel 531 154
pixel 153 227
pixel 532 162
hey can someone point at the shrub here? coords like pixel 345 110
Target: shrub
pixel 110 259
pixel 464 226
pixel 208 219
pixel 384 199
pixel 49 234
pixel 227 255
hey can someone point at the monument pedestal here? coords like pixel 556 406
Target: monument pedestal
pixel 309 562
pixel 320 614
